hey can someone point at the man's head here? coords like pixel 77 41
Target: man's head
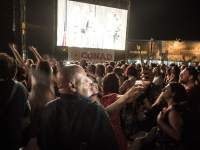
pixel 189 74
pixel 131 71
pixel 73 79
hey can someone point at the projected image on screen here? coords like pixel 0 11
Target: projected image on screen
pixel 90 26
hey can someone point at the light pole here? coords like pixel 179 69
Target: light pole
pixel 151 49
pixel 139 50
pixel 23 27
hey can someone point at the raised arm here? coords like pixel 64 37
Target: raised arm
pixel 130 96
pixel 16 54
pixel 35 53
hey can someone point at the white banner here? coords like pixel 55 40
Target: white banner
pixel 92 55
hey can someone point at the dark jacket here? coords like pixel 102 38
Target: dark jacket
pixel 73 122
pixel 11 114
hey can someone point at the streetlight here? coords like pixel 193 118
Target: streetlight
pixel 151 47
pixel 139 49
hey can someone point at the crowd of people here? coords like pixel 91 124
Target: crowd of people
pixel 46 105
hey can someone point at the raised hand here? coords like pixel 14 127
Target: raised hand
pixel 35 52
pixel 32 48
pixel 16 54
pixel 12 46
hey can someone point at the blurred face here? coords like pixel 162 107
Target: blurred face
pixel 167 93
pixel 184 76
pixel 84 85
pixel 81 84
pixel 172 70
pixel 61 83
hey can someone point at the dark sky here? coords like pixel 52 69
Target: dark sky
pixel 164 19
pixel 159 19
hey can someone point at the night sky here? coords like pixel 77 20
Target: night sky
pixel 165 19
pixel 159 19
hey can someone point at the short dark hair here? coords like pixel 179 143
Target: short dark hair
pixel 179 91
pixel 44 67
pixel 118 71
pixel 111 83
pixel 100 70
pixel 130 70
pixel 192 71
pixel 91 68
pixel 112 63
pixel 109 69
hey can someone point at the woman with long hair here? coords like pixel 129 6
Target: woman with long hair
pixel 170 119
pixel 111 94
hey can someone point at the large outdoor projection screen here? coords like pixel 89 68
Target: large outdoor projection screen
pixel 90 26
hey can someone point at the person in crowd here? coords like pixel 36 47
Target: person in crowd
pixel 72 121
pixel 91 68
pixel 42 91
pixel 167 133
pixel 112 63
pixel 167 75
pixel 133 114
pixel 124 67
pixel 83 63
pixel 158 79
pixel 90 113
pixel 111 94
pixel 13 102
pixel 188 78
pixel 96 96
pixel 119 72
pixel 174 73
pixel 132 75
pixel 170 119
pixel 100 73
pixel 109 69
pixel 163 68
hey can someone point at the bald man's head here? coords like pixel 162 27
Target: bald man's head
pixel 73 79
pixel 70 72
